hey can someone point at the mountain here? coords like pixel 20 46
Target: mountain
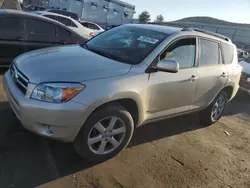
pixel 209 20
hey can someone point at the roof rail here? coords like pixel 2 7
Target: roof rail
pixel 207 32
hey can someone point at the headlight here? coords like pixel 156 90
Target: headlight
pixel 56 92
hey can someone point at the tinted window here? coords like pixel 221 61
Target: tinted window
pixel 73 25
pixel 62 34
pixel 93 26
pixel 66 21
pixel 51 17
pixel 209 52
pixel 126 44
pixel 12 28
pixel 85 24
pixel 12 24
pixel 228 53
pixel 39 27
pixel 182 51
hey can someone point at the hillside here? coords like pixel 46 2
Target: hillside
pixel 209 20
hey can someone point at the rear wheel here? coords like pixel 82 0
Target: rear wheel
pixel 215 110
pixel 105 133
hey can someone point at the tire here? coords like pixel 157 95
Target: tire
pixel 207 115
pixel 92 130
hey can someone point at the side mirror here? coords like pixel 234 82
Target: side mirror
pixel 168 66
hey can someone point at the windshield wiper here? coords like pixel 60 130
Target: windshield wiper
pixel 100 52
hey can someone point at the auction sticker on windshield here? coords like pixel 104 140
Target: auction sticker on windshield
pixel 148 40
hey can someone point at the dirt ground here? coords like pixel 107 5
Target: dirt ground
pixel 178 152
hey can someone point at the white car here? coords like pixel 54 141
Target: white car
pixel 245 77
pixel 93 26
pixel 69 22
pixel 242 54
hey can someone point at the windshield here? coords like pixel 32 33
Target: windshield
pixel 127 44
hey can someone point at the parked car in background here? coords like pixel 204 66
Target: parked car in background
pixel 69 22
pixel 93 26
pixel 96 94
pixel 242 54
pixel 65 13
pixel 245 77
pixel 30 8
pixel 22 32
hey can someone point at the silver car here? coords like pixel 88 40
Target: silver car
pixel 97 93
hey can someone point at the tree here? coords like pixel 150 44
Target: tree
pixel 144 17
pixel 159 19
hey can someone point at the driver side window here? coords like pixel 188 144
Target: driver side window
pixel 183 51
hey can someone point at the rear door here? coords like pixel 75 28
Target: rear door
pixel 40 34
pixel 212 73
pixel 12 38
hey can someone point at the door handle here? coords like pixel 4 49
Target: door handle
pixel 224 75
pixel 193 78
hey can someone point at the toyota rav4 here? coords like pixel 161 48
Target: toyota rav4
pixel 97 93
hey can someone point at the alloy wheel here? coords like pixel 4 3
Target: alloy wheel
pixel 218 107
pixel 106 135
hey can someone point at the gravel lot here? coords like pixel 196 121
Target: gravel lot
pixel 178 152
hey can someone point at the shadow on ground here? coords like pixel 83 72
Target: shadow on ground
pixel 28 160
pixel 240 104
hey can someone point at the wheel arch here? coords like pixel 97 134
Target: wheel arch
pixel 130 101
pixel 229 90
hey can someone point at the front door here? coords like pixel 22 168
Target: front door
pixel 212 73
pixel 171 93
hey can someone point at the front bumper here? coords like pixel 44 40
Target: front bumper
pixel 59 121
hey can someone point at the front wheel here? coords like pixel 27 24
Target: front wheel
pixel 106 132
pixel 215 110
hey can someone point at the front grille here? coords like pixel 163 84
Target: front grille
pixel 19 78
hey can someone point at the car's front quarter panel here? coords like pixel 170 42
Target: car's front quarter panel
pixel 102 91
pixel 63 119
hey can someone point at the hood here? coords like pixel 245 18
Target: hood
pixel 67 64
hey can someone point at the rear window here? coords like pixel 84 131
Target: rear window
pixel 66 21
pixel 228 53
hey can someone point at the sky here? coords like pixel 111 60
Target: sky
pixel 229 10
